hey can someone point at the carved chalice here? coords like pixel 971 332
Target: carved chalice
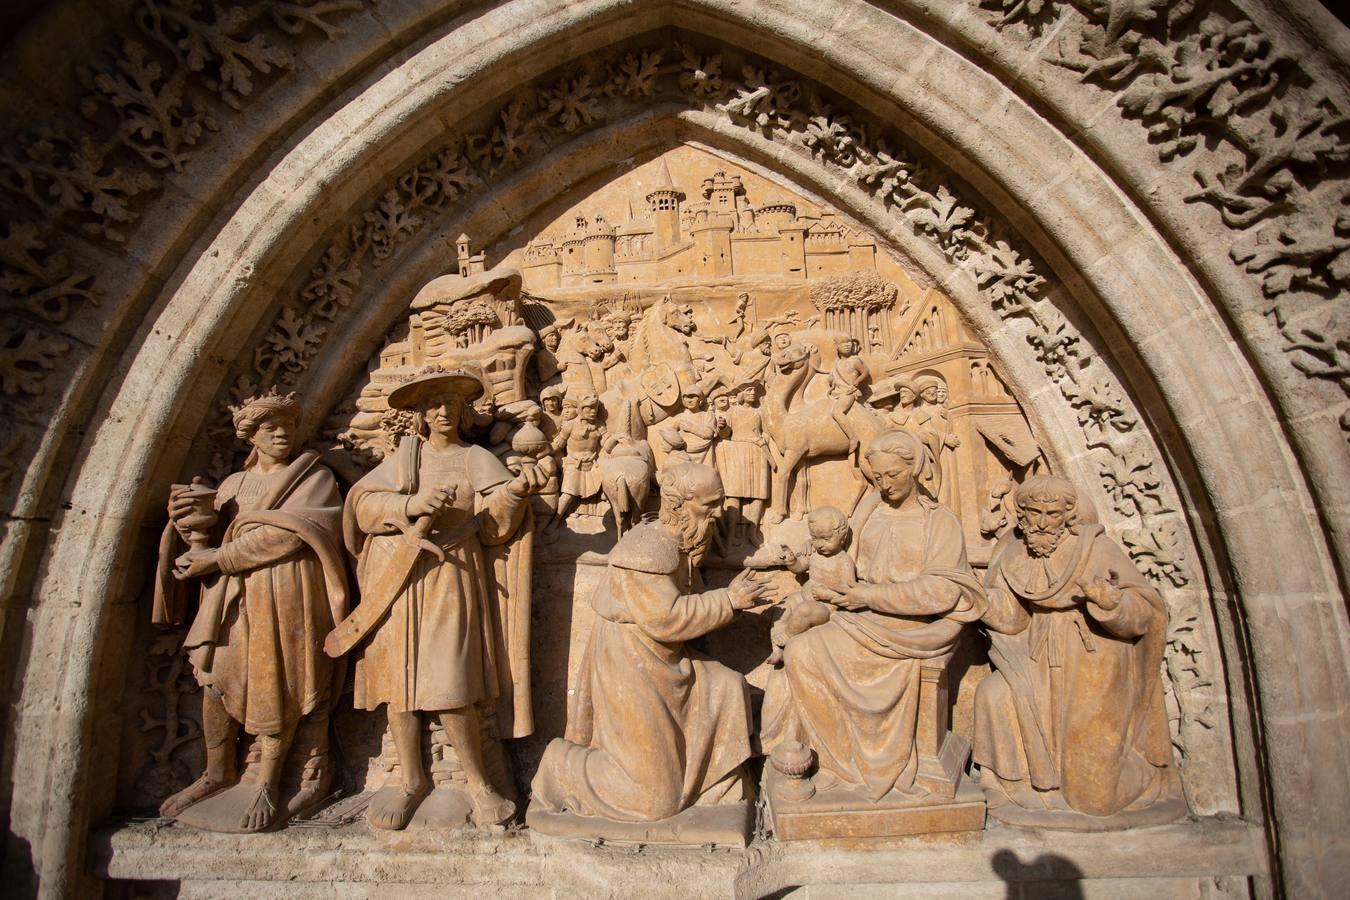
pixel 195 526
pixel 794 761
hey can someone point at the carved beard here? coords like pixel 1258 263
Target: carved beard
pixel 695 535
pixel 1041 544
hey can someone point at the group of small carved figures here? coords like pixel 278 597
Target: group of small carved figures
pixel 1070 729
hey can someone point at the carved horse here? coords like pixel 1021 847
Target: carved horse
pixel 798 421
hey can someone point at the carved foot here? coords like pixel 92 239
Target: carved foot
pixel 261 812
pixel 392 807
pixel 776 657
pixel 194 793
pixel 491 808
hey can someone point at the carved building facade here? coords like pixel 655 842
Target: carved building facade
pixel 1017 246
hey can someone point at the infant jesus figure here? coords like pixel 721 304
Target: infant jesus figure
pixel 827 566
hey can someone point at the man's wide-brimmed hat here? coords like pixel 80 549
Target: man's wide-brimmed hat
pixel 427 384
pixel 889 387
pixel 450 288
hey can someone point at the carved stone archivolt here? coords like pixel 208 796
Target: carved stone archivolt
pixel 698 312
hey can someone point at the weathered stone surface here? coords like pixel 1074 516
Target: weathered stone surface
pixel 1118 230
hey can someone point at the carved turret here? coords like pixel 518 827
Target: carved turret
pixel 664 202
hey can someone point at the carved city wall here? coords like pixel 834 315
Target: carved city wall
pixel 1004 279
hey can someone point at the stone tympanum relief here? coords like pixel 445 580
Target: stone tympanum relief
pixel 693 404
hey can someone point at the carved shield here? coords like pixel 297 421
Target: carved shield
pixel 660 384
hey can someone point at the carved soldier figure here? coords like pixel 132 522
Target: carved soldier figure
pixel 845 384
pixel 656 728
pixel 270 590
pixel 744 462
pixel 580 441
pixel 443 623
pixel 1070 728
pixel 690 434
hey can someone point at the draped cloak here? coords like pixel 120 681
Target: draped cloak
pixel 655 728
pixel 849 688
pixel 257 637
pixel 459 631
pixel 1075 704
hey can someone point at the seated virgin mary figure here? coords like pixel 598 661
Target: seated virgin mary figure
pixel 851 689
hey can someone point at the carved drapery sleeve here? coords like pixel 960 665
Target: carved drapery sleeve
pixel 660 610
pixel 257 547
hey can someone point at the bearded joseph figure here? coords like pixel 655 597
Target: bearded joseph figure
pixel 1070 728
pixel 655 727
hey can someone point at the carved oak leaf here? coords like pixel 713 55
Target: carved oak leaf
pixel 290 343
pixel 1005 275
pixel 26 358
pixel 637 74
pixel 1101 409
pixel 333 285
pixel 37 282
pixel 1130 480
pixel 155 120
pixel 700 76
pixel 292 18
pixel 389 224
pixel 223 46
pixel 572 102
pixel 1159 552
pixel 511 139
pixel 942 216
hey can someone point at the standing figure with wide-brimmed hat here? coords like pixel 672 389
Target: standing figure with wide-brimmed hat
pixel 443 625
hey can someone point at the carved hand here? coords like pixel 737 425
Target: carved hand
pixel 748 588
pixel 430 500
pixel 195 564
pixel 849 598
pixel 1103 593
pixel 531 480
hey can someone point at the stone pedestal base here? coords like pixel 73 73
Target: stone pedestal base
pixel 727 825
pixel 841 812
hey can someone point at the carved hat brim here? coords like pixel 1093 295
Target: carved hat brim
pixel 450 288
pixel 889 387
pixel 412 394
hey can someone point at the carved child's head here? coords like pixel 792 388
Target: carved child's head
pixel 692 398
pixel 846 345
pixel 1047 510
pixel 829 530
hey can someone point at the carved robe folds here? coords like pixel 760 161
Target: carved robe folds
pixel 1070 728
pixel 459 633
pixel 655 728
pixel 256 640
pixel 850 688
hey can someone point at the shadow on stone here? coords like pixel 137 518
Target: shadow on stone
pixel 1047 877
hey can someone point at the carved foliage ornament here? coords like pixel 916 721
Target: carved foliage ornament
pixel 150 100
pixel 1267 147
